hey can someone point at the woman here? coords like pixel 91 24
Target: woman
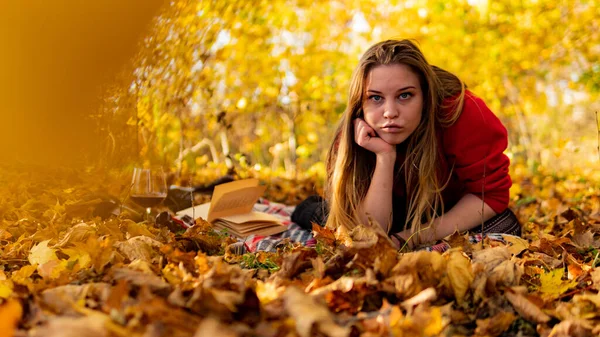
pixel 417 152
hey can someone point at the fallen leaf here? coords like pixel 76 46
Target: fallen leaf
pixel 77 233
pixel 268 291
pixel 210 327
pixel 325 235
pixel 6 288
pixel 309 315
pixel 458 240
pixel 460 275
pixel 362 237
pixel 425 321
pixel 140 248
pixel 526 308
pixel 491 257
pixel 41 253
pixel 140 278
pixel 552 284
pixel 53 269
pixel 572 328
pixel 424 296
pixel 517 244
pixel 62 299
pixel 584 240
pixel 506 274
pixel 92 326
pixel 496 325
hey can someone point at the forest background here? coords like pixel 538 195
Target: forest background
pixel 200 84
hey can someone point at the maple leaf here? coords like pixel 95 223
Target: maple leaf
pixel 41 253
pixel 324 235
pixel 552 284
pixel 457 240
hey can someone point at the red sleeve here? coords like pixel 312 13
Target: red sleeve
pixel 475 143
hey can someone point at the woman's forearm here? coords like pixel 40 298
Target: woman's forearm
pixel 465 215
pixel 378 201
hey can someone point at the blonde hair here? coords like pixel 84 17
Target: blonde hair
pixel 350 167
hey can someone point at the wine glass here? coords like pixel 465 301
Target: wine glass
pixel 148 187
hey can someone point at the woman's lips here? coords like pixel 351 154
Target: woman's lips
pixel 393 128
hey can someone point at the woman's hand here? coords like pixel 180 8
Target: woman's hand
pixel 367 138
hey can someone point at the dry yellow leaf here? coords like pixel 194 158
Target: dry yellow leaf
pixel 494 326
pixel 309 314
pixel 41 253
pixel 552 284
pixel 517 244
pixel 460 275
pixel 436 322
pixel 6 288
pixel 526 308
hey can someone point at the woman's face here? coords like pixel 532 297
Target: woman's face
pixel 393 102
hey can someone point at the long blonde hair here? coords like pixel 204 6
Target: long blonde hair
pixel 350 167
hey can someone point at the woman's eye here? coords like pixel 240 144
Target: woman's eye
pixel 405 95
pixel 375 98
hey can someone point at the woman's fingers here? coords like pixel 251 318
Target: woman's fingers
pixel 362 132
pixel 366 137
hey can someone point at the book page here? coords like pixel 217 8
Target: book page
pixel 252 217
pixel 237 197
pixel 240 232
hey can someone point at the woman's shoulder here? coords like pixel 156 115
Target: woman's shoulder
pixel 474 117
pixel 471 106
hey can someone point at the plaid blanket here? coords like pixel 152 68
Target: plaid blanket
pixel 256 243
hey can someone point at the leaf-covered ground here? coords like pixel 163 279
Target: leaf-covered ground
pixel 66 272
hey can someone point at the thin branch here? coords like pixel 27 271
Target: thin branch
pixel 598 128
pixel 483 201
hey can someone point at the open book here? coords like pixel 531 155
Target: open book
pixel 230 210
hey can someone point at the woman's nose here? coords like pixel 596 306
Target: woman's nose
pixel 391 111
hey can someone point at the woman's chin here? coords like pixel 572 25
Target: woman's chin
pixel 394 139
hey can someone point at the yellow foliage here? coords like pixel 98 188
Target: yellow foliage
pixel 552 284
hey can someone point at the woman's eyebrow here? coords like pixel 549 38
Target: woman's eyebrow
pixel 401 89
